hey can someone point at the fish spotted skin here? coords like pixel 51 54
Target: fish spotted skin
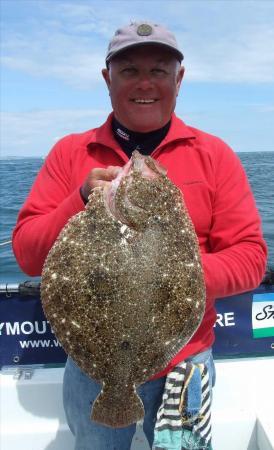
pixel 123 286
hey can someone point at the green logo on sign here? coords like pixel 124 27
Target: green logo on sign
pixel 263 315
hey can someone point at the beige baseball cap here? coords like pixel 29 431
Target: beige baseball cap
pixel 142 33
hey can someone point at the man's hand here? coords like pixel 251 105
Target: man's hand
pixel 98 177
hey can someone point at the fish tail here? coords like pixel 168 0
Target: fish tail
pixel 117 410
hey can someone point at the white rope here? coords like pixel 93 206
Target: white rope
pixel 5 243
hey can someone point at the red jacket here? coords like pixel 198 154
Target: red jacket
pixel 216 193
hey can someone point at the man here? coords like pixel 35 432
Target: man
pixel 143 74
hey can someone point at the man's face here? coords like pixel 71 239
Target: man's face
pixel 143 83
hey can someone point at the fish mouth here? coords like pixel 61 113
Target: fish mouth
pixel 144 166
pixel 115 211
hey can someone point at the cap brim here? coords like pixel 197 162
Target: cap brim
pixel 178 55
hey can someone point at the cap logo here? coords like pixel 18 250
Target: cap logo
pixel 144 30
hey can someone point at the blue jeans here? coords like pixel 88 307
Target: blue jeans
pixel 79 392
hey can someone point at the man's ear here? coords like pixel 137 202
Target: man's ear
pixel 106 76
pixel 179 77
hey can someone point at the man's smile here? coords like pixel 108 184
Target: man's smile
pixel 144 101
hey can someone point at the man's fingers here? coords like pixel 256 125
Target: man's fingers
pixel 107 174
pixel 99 183
pixel 113 170
pixel 99 177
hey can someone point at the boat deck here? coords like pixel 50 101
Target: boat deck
pixel 32 415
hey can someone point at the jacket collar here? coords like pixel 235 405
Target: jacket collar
pixel 104 135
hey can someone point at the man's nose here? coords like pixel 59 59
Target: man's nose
pixel 145 80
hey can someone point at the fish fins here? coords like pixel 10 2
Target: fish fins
pixel 126 409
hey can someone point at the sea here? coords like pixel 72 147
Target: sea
pixel 18 174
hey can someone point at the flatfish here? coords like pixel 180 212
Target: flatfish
pixel 123 286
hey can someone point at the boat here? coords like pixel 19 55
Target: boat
pixel 32 365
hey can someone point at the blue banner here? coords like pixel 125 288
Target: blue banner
pixel 25 334
pixel 244 327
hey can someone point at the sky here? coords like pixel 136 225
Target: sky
pixel 52 53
